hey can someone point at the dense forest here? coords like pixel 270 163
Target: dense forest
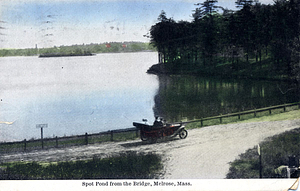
pixel 256 40
pixel 80 49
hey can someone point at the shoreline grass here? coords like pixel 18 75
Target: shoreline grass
pixel 277 115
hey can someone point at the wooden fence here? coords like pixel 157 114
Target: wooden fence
pixel 115 135
pixel 66 141
pixel 254 112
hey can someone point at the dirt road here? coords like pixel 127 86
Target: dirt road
pixel 204 154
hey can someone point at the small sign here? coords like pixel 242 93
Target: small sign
pixel 41 125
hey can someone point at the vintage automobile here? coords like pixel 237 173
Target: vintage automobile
pixel 160 129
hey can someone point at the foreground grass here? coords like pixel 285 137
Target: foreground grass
pixel 125 165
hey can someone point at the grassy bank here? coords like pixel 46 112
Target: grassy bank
pixel 125 165
pixel 291 115
pixel 277 115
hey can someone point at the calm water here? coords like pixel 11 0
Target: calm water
pixel 75 95
pixel 195 97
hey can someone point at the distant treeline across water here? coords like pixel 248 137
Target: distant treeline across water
pixel 82 49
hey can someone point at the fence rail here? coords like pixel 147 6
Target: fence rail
pixel 239 114
pixel 59 142
pixel 115 135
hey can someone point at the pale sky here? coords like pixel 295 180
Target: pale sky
pixel 48 23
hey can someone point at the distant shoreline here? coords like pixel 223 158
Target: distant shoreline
pixel 79 50
pixel 90 54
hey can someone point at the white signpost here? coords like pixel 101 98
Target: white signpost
pixel 42 126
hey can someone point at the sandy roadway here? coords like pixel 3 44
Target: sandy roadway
pixel 204 154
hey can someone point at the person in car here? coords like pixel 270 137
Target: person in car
pixel 157 123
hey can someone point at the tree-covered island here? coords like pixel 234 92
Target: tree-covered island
pixel 255 41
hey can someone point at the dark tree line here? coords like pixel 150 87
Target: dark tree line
pixel 256 40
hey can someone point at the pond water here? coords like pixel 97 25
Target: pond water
pixel 191 97
pixel 75 95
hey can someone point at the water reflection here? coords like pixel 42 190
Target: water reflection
pixel 195 97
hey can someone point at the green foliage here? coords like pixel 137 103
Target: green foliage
pixel 125 165
pixel 255 41
pixel 275 152
pixel 246 167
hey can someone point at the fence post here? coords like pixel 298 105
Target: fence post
pixel 254 112
pixel 111 136
pixel 201 122
pixel 25 145
pixel 220 118
pixel 270 111
pixel 86 139
pixel 284 108
pixel 42 138
pixel 56 140
pixel 137 133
